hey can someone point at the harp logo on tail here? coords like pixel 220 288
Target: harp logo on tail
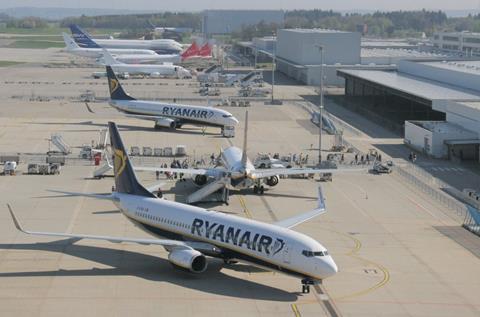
pixel 113 85
pixel 119 162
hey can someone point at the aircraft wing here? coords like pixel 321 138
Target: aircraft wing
pixel 145 117
pixel 191 171
pixel 296 220
pixel 165 243
pixel 264 173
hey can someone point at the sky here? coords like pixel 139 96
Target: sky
pixel 197 5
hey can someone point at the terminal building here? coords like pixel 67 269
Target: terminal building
pixel 467 43
pixel 228 21
pixel 297 53
pixel 437 103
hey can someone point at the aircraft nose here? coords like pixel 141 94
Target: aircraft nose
pixel 234 121
pixel 329 267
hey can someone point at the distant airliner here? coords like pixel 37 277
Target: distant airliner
pixel 73 48
pixel 167 115
pixel 193 233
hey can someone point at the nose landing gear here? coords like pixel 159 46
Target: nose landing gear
pixel 258 188
pixel 306 285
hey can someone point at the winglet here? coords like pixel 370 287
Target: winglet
pixel 321 198
pixel 245 141
pixel 15 220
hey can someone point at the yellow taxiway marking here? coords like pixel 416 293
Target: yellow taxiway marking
pixel 296 312
pixel 353 253
pixel 244 206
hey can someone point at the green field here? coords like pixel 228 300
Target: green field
pixel 36 44
pixel 53 30
pixel 9 63
pixel 54 38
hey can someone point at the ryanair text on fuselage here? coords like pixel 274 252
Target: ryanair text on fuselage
pixel 185 112
pixel 238 237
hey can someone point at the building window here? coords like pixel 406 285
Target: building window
pixel 450 38
pixel 475 40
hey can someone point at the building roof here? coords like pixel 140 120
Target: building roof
pixel 443 127
pixel 372 43
pixel 391 52
pixel 475 105
pixel 419 87
pixel 470 67
pixel 315 31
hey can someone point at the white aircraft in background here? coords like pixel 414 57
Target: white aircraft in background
pixel 193 233
pixel 167 115
pixel 163 46
pixel 237 172
pixel 152 70
pixel 73 48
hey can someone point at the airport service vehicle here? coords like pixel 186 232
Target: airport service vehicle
pixel 73 48
pixel 380 168
pixel 237 172
pixel 44 169
pixel 167 115
pixel 152 70
pixel 192 233
pixel 266 161
pixel 9 168
pixel 163 46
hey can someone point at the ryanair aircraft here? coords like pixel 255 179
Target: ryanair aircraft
pixel 167 115
pixel 191 233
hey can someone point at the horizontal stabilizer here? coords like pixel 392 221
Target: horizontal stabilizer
pixel 296 220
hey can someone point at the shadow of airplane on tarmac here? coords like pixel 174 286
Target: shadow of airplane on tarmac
pixel 152 268
pixel 195 130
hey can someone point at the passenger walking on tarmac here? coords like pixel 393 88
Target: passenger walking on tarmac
pixel 174 165
pixel 342 158
pixel 212 159
pixel 379 157
pixel 157 174
pixel 356 157
pixel 361 159
pixel 367 158
pixel 294 158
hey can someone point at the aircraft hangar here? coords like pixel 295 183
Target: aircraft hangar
pixel 433 103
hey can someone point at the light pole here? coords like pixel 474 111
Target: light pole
pixel 273 72
pixel 320 115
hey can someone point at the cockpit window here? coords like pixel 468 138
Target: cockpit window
pixel 309 254
pixel 227 115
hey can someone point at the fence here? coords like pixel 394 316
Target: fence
pixel 432 187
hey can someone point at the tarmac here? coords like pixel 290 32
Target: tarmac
pixel 399 252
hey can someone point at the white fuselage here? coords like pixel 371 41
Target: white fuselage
pixel 98 52
pixel 231 159
pixel 252 241
pixel 186 113
pixel 164 45
pixel 165 70
pixel 148 59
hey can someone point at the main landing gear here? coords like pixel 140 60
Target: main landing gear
pixel 306 285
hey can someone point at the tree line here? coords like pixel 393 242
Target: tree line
pixel 380 24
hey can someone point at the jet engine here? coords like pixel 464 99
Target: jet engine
pixel 200 180
pixel 272 181
pixel 165 123
pixel 189 259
